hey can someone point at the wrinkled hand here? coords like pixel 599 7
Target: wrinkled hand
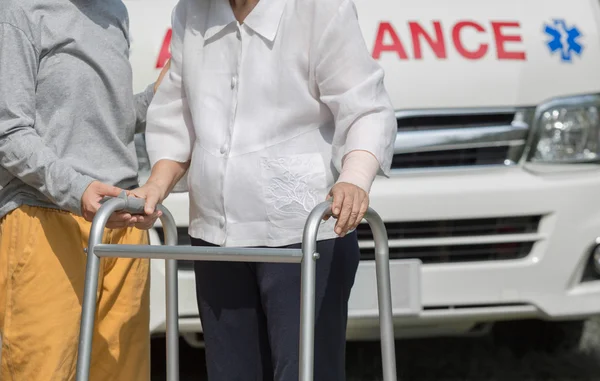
pixel 90 203
pixel 350 203
pixel 162 74
pixel 153 195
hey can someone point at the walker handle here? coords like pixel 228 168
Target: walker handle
pixel 133 205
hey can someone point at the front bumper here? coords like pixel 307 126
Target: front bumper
pixel 457 296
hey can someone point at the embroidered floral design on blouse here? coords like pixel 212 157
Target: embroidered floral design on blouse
pixel 291 184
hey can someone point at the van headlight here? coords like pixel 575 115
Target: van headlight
pixel 567 130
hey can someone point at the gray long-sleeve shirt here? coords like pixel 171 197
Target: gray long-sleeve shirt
pixel 67 110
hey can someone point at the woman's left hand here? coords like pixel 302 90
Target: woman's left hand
pixel 350 203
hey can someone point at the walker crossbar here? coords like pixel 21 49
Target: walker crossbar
pixel 307 256
pixel 189 253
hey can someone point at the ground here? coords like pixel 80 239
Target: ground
pixel 472 359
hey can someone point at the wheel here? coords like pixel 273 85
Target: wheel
pixel 537 335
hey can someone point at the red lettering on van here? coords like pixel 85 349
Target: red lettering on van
pixel 502 38
pixel 460 48
pixel 385 28
pixel 388 40
pixel 165 51
pixel 437 44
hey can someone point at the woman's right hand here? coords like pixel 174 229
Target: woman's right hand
pixel 153 195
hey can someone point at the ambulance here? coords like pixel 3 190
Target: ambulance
pixel 495 187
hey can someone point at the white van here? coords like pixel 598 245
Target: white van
pixel 496 180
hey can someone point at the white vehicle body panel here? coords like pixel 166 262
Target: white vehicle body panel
pixel 520 72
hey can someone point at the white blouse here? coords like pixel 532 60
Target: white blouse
pixel 266 111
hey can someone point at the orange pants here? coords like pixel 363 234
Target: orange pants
pixel 42 272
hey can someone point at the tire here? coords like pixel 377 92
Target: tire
pixel 537 335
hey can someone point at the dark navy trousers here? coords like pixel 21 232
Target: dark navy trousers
pixel 250 314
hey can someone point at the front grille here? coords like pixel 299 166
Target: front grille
pixel 183 239
pixel 468 229
pixel 451 158
pixel 455 228
pixel 457 253
pixel 185 265
pixel 407 231
pixel 459 138
pixel 144 166
pixel 446 121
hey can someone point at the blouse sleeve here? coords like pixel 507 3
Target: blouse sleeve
pixel 169 128
pixel 350 83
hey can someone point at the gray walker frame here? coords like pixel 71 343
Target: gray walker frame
pixel 307 256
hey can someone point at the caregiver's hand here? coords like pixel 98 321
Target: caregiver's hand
pixel 153 195
pixel 90 204
pixel 350 203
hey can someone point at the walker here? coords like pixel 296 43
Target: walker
pixel 306 256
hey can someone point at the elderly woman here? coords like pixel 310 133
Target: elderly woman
pixel 275 105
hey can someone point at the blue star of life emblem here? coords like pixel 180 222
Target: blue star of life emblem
pixel 563 39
